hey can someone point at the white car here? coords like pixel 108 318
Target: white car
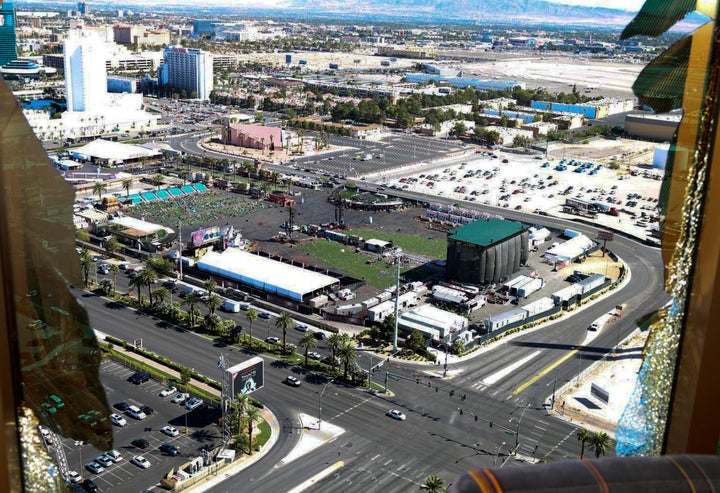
pixel 117 420
pixel 47 436
pixel 395 414
pixel 136 412
pixel 301 327
pixel 170 431
pixel 168 391
pixel 314 355
pixel 180 398
pixel 140 461
pixel 73 477
pixel 114 455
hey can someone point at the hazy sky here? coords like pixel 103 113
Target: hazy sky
pixel 632 5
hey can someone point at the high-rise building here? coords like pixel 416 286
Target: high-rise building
pixel 8 41
pixel 187 69
pixel 85 71
pixel 83 8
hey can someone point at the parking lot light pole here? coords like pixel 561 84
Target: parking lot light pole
pixel 497 453
pixel 79 444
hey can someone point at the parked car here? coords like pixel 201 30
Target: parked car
pixel 136 412
pixel 139 377
pixel 170 431
pixel 117 420
pixel 293 381
pixel 73 477
pixel 169 449
pixel 104 460
pixel 140 443
pixel 114 455
pixel 168 391
pixel 140 461
pixel 147 410
pixel 89 486
pixel 94 467
pixel 193 403
pixel 320 335
pixel 46 435
pixel 180 398
pixel 121 406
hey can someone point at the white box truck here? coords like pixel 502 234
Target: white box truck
pixel 231 306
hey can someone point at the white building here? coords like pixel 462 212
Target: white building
pixel 189 69
pixel 85 74
pixel 437 324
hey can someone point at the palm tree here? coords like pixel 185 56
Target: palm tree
pixel 191 301
pixel 335 341
pixel 583 436
pixel 252 415
pixel 149 276
pixel 262 142
pixel 307 341
pixel 114 269
pixel 99 188
pixel 600 442
pixel 111 246
pixel 137 282
pixel 127 185
pixel 242 404
pixel 434 484
pixel 160 295
pixel 85 264
pixel 348 356
pixel 210 285
pixel 251 316
pixel 284 322
pixel 213 302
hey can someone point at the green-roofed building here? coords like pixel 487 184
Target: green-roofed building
pixel 486 251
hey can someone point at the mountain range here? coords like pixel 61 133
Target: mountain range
pixel 521 12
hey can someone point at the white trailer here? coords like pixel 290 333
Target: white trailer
pixel 231 306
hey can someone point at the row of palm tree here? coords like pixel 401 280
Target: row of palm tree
pixel 598 442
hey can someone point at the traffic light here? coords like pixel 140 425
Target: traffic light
pixel 461 411
pixel 476 417
pixel 451 393
pixel 417 380
pixel 463 397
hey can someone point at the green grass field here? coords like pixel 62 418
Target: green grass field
pixel 343 258
pixel 435 248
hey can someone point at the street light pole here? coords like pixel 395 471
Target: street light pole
pixel 180 259
pixel 320 403
pixel 398 255
pixel 497 453
pixel 517 429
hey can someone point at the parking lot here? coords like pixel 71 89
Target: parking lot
pixel 123 475
pixel 391 152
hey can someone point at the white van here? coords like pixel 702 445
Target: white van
pixel 136 412
pixel 231 306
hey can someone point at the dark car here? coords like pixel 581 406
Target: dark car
pixel 121 406
pixel 140 443
pixel 147 410
pixel 89 486
pixel 139 377
pixel 320 335
pixel 169 449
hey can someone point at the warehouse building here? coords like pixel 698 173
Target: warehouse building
pixel 270 276
pixel 486 251
pixel 436 324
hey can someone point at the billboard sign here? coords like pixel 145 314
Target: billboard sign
pixel 203 236
pixel 248 376
pixel 605 235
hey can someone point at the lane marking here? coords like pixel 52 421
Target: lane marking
pixel 547 370
pixel 492 379
pixel 317 478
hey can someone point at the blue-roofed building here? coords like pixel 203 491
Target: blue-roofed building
pixel 464 81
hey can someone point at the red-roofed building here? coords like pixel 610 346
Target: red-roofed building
pixel 255 136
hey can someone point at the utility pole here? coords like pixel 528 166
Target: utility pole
pixel 180 259
pixel 398 257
